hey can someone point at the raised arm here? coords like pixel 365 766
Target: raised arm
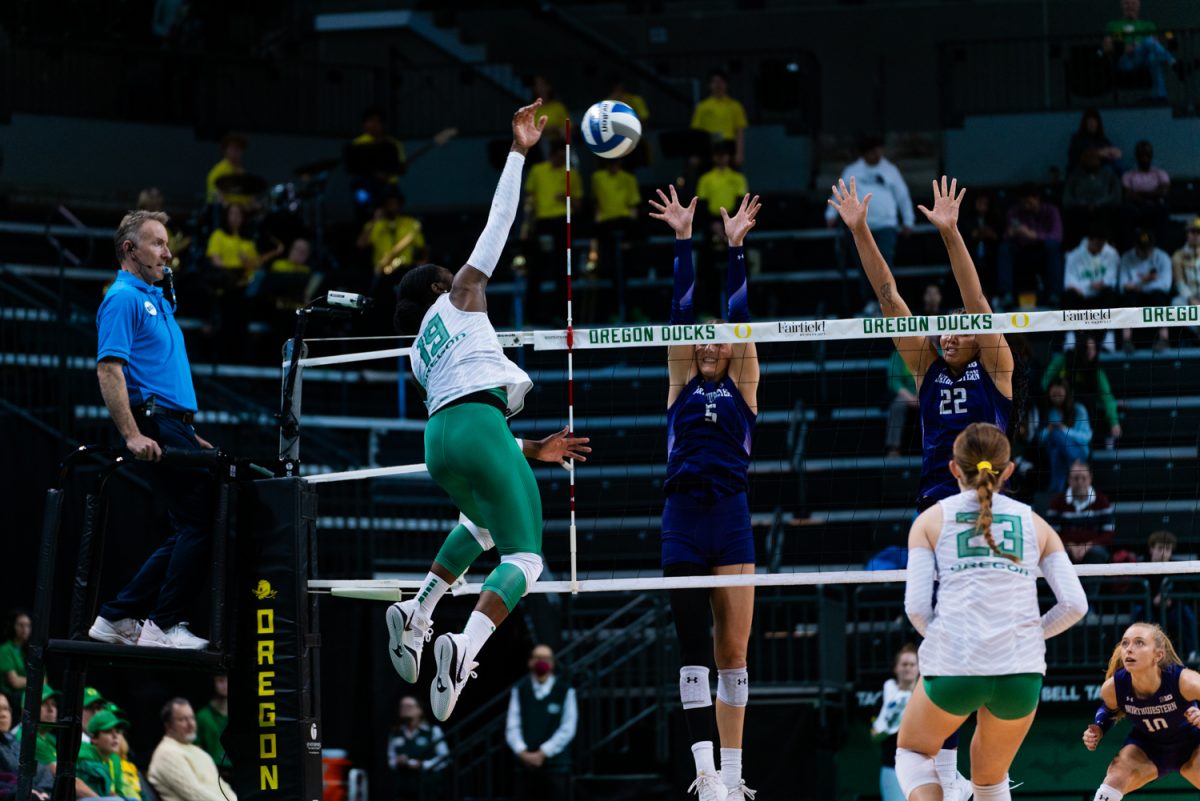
pixel 743 365
pixel 681 362
pixel 470 282
pixel 994 352
pixel 917 352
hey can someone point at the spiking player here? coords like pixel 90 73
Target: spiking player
pixel 712 405
pixel 1147 682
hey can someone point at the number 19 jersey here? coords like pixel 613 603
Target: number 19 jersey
pixel 986 621
pixel 948 405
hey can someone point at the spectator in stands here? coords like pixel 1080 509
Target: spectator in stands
pixel 1084 517
pixel 722 187
pixel 13 654
pixel 10 760
pixel 288 284
pixel 146 382
pixel 1080 368
pixel 542 716
pixel 552 108
pixel 1134 42
pixel 1032 244
pixel 890 212
pixel 233 158
pixel 374 132
pixel 1146 281
pixel 135 786
pixel 1179 617
pixel 1146 188
pixel 545 215
pixel 1091 136
pixel 618 91
pixel 886 726
pixel 417 754
pixel 179 769
pixel 211 721
pixel 981 229
pixel 903 389
pixel 228 250
pixel 1185 267
pixel 616 199
pixel 93 702
pixel 397 242
pixel 1090 279
pixel 1066 433
pixel 722 117
pixel 46 752
pixel 99 763
pixel 1091 195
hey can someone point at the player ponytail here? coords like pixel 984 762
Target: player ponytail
pixel 1161 641
pixel 982 453
pixel 414 297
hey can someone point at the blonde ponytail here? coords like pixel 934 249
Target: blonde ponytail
pixel 982 453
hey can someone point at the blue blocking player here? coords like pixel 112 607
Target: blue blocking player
pixel 1147 683
pixel 712 405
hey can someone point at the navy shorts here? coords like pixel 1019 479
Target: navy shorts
pixel 707 531
pixel 1168 757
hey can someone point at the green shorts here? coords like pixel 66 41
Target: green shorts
pixel 1007 697
pixel 472 455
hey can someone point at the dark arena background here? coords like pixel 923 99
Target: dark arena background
pixel 330 146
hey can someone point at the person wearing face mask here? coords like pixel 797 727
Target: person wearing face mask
pixel 417 755
pixel 712 405
pixel 542 715
pixel 180 770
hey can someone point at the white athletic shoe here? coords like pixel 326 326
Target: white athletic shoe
pixel 740 792
pixel 965 789
pixel 708 787
pixel 118 632
pixel 407 638
pixel 175 637
pixel 449 653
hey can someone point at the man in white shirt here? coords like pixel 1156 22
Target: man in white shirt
pixel 1090 280
pixel 1145 277
pixel 542 715
pixel 180 770
pixel 890 212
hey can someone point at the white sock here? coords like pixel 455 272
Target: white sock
pixel 731 766
pixel 479 627
pixel 946 763
pixel 703 753
pixel 1106 793
pixel 992 792
pixel 432 590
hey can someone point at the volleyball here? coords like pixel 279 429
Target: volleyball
pixel 611 129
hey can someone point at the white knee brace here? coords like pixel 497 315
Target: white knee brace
pixel 914 770
pixel 694 691
pixel 733 686
pixel 528 563
pixel 481 535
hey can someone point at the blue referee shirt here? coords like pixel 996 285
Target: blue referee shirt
pixel 137 325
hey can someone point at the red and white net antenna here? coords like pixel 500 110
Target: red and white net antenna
pixel 570 366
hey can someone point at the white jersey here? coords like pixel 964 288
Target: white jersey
pixel 457 353
pixel 891 708
pixel 986 620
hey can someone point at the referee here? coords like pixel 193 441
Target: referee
pixel 146 382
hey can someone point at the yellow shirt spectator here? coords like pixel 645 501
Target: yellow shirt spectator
pixel 616 195
pixel 291 267
pixel 720 116
pixel 721 187
pixel 548 186
pixel 395 242
pixel 368 139
pixel 637 103
pixel 556 117
pixel 234 252
pixel 220 170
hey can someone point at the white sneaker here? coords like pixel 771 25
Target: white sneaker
pixel 449 652
pixel 407 638
pixel 708 787
pixel 120 632
pixel 965 789
pixel 177 636
pixel 740 792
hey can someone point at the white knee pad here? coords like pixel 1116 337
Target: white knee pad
pixel 528 563
pixel 733 686
pixel 914 770
pixel 481 535
pixel 694 691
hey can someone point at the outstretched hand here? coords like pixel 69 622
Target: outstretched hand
pixel 670 211
pixel 852 210
pixel 559 447
pixel 527 126
pixel 946 202
pixel 737 226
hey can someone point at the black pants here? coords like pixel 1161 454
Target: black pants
pixel 542 784
pixel 173 575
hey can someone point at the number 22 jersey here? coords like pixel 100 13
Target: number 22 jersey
pixel 948 405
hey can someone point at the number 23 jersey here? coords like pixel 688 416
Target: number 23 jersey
pixel 948 405
pixel 986 621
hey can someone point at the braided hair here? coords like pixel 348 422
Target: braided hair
pixel 414 297
pixel 982 453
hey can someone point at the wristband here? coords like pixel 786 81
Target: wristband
pixel 1105 718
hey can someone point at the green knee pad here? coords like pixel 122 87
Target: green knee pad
pixel 459 550
pixel 508 582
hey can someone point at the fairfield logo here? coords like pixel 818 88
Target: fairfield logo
pixel 1087 316
pixel 805 328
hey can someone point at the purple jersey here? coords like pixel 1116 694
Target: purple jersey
pixel 709 429
pixel 1158 719
pixel 949 405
